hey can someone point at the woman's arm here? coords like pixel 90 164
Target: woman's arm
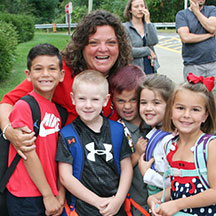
pixel 139 52
pixel 19 91
pixel 151 35
pixel 22 138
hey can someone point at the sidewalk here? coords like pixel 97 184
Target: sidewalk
pixel 171 63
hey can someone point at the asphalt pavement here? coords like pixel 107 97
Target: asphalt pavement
pixel 169 54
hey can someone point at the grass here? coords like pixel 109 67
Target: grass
pixel 17 74
pixel 169 30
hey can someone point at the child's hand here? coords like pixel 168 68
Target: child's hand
pixel 152 202
pixel 61 199
pixel 52 205
pixel 144 165
pixel 141 146
pixel 110 206
pixel 139 150
pixel 102 202
pixel 168 208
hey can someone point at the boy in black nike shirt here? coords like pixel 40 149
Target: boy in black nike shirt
pixel 102 188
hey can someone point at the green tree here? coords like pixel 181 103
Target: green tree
pixel 211 2
pixel 16 6
pixel 44 11
pixel 80 8
pixel 163 10
pixel 115 6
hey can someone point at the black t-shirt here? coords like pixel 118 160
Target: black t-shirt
pixel 100 174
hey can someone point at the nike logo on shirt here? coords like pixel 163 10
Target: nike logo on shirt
pixel 49 125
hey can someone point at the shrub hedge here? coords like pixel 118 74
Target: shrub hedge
pixel 14 29
pixel 8 43
pixel 24 24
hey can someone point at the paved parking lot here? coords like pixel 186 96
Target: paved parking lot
pixel 169 54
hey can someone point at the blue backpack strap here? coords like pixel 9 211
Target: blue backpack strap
pixel 201 156
pixel 72 142
pixel 117 132
pixel 153 141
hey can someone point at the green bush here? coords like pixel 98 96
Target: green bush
pixel 28 28
pixel 24 25
pixel 8 44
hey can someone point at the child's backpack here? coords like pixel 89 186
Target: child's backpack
pixel 155 138
pixel 200 160
pixel 72 142
pixel 153 141
pixel 6 172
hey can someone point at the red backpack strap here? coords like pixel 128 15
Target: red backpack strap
pixel 128 202
pixel 70 211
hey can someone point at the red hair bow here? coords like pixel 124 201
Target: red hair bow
pixel 208 81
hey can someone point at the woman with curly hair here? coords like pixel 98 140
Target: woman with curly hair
pixel 99 42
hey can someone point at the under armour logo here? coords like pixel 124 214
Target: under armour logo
pixel 93 151
pixel 72 140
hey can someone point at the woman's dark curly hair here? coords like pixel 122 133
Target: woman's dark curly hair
pixel 73 53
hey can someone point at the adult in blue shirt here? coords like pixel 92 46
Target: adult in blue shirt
pixel 196 27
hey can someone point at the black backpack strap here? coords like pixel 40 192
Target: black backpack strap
pixel 63 113
pixel 36 116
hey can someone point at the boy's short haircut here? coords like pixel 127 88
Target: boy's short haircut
pixel 91 76
pixel 43 49
pixel 126 78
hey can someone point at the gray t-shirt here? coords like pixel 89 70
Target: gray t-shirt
pixel 138 190
pixel 197 53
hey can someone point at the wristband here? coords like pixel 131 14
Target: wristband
pixel 4 130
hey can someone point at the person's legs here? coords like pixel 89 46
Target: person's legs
pixel 23 206
pixel 205 70
pixel 197 70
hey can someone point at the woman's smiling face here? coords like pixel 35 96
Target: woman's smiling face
pixel 102 50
